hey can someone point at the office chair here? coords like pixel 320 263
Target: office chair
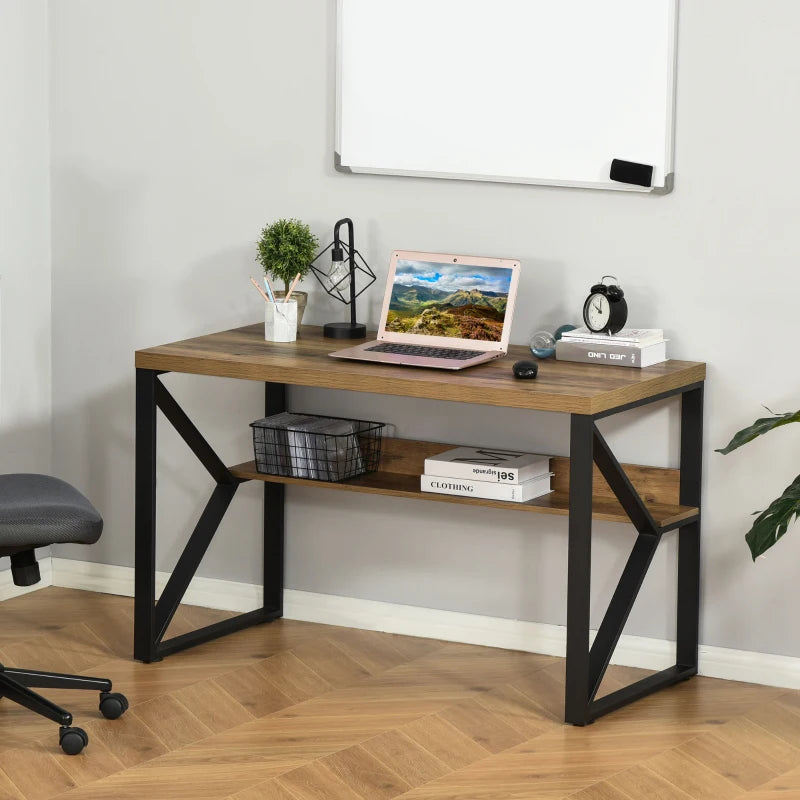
pixel 35 511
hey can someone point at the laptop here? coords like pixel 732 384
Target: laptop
pixel 444 311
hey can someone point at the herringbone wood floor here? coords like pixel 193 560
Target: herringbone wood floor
pixel 295 711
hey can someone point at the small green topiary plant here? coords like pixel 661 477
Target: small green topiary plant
pixel 285 248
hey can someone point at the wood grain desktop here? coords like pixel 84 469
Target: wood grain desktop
pixel 561 386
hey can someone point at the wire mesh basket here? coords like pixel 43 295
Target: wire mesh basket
pixel 316 447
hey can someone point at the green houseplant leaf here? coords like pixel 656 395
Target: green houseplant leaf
pixel 759 428
pixel 774 522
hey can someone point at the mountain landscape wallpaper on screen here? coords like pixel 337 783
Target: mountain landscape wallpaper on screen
pixel 456 300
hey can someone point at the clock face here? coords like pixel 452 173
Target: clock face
pixel 597 312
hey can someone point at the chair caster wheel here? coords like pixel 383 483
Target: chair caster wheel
pixel 72 740
pixel 113 704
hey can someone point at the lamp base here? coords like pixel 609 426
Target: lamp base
pixel 344 330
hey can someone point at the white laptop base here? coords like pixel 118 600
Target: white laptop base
pixel 443 311
pixel 364 352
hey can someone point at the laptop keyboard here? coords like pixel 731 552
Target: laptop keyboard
pixel 426 352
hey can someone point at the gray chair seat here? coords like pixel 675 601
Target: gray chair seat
pixel 38 510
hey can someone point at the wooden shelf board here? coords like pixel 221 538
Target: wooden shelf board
pixel 402 466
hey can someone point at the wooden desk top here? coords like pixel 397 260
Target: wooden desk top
pixel 561 386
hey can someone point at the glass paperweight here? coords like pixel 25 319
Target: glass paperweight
pixel 543 344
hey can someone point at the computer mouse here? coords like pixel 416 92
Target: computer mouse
pixel 525 369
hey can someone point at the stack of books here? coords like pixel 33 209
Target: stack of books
pixel 488 473
pixel 630 347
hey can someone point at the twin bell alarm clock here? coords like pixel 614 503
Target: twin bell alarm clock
pixel 605 309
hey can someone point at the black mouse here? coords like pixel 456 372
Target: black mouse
pixel 525 369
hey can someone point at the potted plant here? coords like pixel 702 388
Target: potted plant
pixel 772 523
pixel 287 247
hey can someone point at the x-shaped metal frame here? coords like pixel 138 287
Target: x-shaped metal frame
pixel 586 666
pixel 151 618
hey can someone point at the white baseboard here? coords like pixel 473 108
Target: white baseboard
pixel 111 579
pixel 534 637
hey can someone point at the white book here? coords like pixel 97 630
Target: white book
pixel 640 336
pixel 613 355
pixel 463 487
pixel 612 340
pixel 487 464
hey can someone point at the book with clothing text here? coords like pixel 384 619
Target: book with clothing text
pixel 463 487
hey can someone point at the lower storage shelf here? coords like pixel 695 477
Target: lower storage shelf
pixel 402 463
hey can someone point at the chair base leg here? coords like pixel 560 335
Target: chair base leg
pixel 24 696
pixel 56 680
pixel 16 685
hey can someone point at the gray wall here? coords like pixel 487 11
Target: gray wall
pixel 25 346
pixel 180 127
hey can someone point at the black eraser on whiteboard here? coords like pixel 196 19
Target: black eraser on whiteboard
pixel 631 172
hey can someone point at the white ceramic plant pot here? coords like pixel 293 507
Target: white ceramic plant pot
pixel 280 321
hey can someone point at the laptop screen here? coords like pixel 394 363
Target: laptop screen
pixel 460 301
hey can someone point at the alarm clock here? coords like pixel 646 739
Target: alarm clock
pixel 605 309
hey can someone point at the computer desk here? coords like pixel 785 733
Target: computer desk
pixel 590 484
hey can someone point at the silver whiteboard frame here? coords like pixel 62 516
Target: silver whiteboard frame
pixel 611 186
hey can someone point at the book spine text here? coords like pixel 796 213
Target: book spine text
pixel 595 354
pixel 463 487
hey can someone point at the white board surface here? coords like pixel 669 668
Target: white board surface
pixel 523 91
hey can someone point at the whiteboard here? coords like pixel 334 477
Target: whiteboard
pixel 520 91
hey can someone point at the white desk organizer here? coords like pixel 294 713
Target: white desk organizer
pixel 280 321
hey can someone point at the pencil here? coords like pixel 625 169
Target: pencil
pixel 291 288
pixel 260 290
pixel 269 290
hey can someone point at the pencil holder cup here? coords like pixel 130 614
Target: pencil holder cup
pixel 280 321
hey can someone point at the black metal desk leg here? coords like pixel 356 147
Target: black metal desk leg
pixel 581 446
pixel 275 402
pixel 144 644
pixel 689 535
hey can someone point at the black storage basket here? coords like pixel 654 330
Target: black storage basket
pixel 316 447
